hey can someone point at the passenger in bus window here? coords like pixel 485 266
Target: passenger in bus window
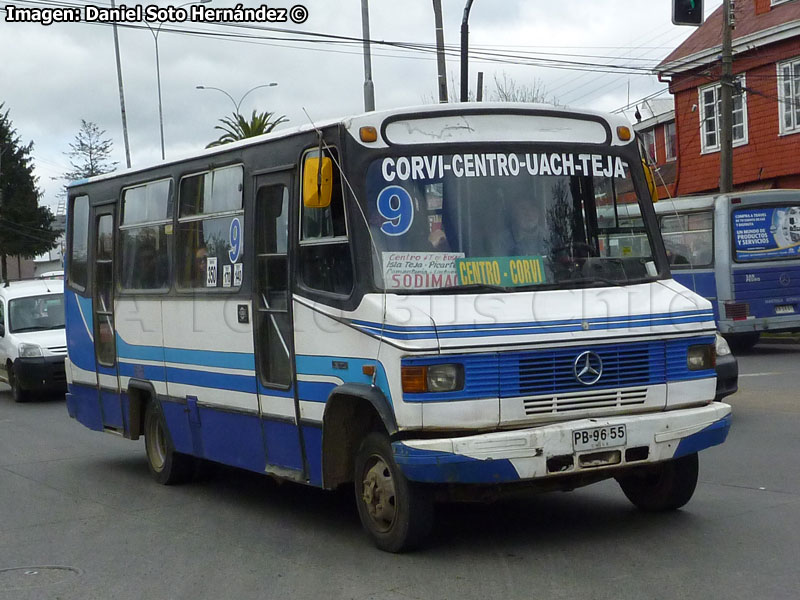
pixel 200 260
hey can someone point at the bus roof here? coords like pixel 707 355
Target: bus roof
pixel 707 201
pixel 376 119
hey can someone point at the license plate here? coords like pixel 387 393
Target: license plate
pixel 599 437
pixel 784 309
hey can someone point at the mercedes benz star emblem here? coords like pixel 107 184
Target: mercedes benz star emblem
pixel 587 368
pixel 785 280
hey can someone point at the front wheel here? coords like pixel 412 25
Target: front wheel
pixel 19 394
pixel 166 466
pixel 661 487
pixel 397 513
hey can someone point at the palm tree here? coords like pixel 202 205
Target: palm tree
pixel 237 127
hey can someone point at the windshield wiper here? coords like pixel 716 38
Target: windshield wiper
pixel 473 287
pixel 596 279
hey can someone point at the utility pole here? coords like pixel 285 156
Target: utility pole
pixel 121 94
pixel 440 60
pixel 726 98
pixel 465 53
pixel 479 93
pixel 369 87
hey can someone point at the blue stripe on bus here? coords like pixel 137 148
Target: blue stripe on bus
pixel 471 326
pixel 492 330
pixel 205 358
pixel 348 369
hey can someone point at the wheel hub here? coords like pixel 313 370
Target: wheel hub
pixel 378 494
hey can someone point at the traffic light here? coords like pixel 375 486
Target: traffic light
pixel 687 12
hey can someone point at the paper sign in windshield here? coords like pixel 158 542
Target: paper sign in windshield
pixel 767 233
pixel 505 271
pixel 420 270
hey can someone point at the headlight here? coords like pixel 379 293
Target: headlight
pixel 432 378
pixel 29 351
pixel 701 357
pixel 445 378
pixel 723 349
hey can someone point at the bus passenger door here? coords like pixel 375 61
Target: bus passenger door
pixel 273 325
pixel 103 317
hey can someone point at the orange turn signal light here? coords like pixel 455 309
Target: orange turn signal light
pixel 368 370
pixel 368 134
pixel 624 133
pixel 414 379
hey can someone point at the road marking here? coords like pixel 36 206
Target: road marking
pixel 760 374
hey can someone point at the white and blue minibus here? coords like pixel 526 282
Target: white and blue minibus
pixel 426 304
pixel 742 252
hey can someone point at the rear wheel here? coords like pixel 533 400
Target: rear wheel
pixel 664 486
pixel 166 466
pixel 743 342
pixel 19 394
pixel 396 513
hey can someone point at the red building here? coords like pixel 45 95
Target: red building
pixel 766 115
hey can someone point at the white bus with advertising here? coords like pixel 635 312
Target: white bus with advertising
pixel 422 303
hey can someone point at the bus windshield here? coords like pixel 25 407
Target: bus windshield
pixel 506 221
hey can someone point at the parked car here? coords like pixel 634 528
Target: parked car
pixel 33 343
pixel 727 370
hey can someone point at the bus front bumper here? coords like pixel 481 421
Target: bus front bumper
pixel 777 324
pixel 548 450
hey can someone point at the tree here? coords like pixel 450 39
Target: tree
pixel 90 153
pixel 507 89
pixel 237 127
pixel 25 227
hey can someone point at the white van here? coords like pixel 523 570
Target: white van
pixel 33 341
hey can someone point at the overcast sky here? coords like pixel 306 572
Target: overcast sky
pixel 52 77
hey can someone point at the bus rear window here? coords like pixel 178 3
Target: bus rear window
pixel 766 233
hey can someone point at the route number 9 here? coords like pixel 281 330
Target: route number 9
pixel 235 240
pixel 395 205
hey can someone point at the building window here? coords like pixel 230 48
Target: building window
pixel 649 141
pixel 670 141
pixel 789 95
pixel 710 115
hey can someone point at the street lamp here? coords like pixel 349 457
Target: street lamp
pixel 239 103
pixel 155 33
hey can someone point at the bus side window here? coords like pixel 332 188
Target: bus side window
pixel 146 225
pixel 78 272
pixel 210 224
pixel 689 239
pixel 325 263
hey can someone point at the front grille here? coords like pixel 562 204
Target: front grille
pixel 584 401
pixel 58 349
pixel 551 371
pixel 548 375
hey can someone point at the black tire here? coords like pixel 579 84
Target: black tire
pixel 742 342
pixel 662 487
pixel 166 466
pixel 20 395
pixel 396 513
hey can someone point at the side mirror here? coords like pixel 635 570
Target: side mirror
pixel 650 176
pixel 317 182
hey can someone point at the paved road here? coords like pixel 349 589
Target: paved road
pixel 84 502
